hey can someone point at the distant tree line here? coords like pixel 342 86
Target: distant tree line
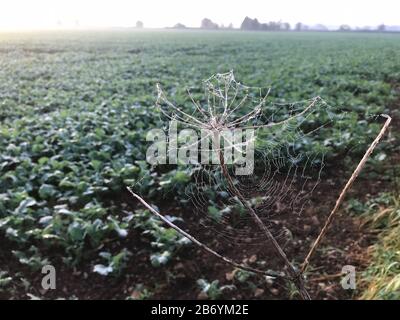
pixel 249 24
pixel 254 24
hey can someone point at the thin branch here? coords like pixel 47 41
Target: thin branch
pixel 296 278
pixel 339 201
pixel 268 273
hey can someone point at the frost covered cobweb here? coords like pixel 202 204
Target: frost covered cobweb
pixel 290 147
pixel 254 168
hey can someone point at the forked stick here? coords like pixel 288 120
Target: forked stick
pixel 339 201
pixel 202 245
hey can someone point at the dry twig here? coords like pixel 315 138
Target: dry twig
pixel 339 201
pixel 202 245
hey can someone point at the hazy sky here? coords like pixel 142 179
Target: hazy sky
pixel 39 14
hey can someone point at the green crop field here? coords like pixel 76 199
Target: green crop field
pixel 75 108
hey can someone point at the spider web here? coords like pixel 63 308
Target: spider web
pixel 291 142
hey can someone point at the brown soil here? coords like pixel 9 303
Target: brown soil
pixel 346 243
